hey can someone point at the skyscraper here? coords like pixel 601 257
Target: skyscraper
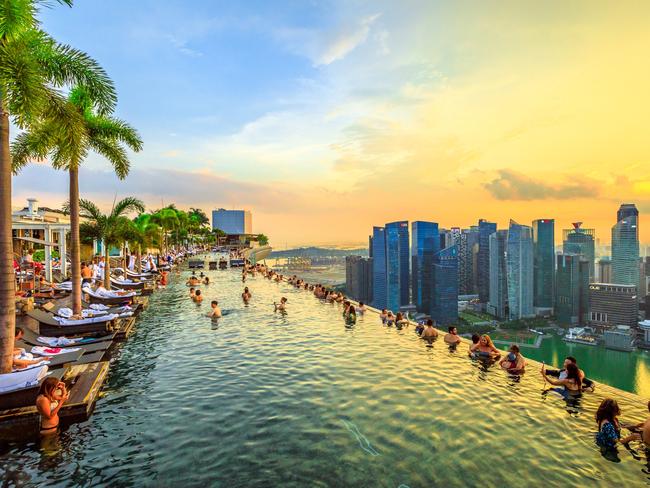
pixel 604 268
pixel 444 296
pixel 358 278
pixel 378 252
pixel 572 290
pixel 519 263
pixel 581 241
pixel 397 265
pixel 425 242
pixel 485 228
pixel 625 246
pixel 466 256
pixel 612 304
pixel 543 263
pixel 498 303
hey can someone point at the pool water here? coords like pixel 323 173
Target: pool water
pixel 262 399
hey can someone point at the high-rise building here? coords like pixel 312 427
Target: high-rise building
pixel 467 250
pixel 625 246
pixel 581 241
pixel 543 263
pixel 604 270
pixel 644 274
pixel 444 296
pixel 572 289
pixel 425 242
pixel 612 304
pixel 498 303
pixel 233 221
pixel 398 284
pixel 379 272
pixel 519 263
pixel 358 278
pixel 445 238
pixel 485 229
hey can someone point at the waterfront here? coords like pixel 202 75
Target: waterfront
pixel 262 399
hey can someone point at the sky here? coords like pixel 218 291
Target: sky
pixel 325 118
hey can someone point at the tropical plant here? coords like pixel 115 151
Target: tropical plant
pixel 109 227
pixel 68 145
pixel 262 239
pixel 33 67
pixel 146 236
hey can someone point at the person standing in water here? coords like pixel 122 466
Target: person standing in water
pixel 282 306
pixel 50 399
pixel 246 296
pixel 215 313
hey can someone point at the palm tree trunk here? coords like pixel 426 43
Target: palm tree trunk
pixel 138 260
pixel 107 267
pixel 75 241
pixel 7 275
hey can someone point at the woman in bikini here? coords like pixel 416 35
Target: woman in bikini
pixel 51 398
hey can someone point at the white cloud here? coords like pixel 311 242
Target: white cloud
pixel 345 41
pixel 181 46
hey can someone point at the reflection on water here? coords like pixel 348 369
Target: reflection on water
pixel 259 398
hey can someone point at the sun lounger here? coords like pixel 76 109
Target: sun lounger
pixel 48 325
pixel 20 389
pixel 126 285
pixel 42 349
pixel 34 339
pixel 116 300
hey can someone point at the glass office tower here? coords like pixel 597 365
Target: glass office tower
pixel 425 242
pixel 485 229
pixel 444 296
pixel 397 265
pixel 519 262
pixel 543 262
pixel 625 246
pixel 378 252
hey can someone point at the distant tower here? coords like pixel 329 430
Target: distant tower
pixel 485 229
pixel 582 242
pixel 519 263
pixel 543 262
pixel 425 243
pixel 625 246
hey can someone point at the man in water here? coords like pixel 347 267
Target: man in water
pixel 587 384
pixel 246 296
pixel 281 306
pixel 198 298
pixel 429 331
pixel 192 293
pixel 215 313
pixel 452 336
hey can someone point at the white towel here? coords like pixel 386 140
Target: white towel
pixel 21 379
pixel 52 351
pixel 33 366
pixel 90 320
pixel 99 306
pixel 65 312
pixel 57 341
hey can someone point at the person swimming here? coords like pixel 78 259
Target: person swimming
pixel 401 321
pixel 282 306
pixel 50 399
pixel 609 427
pixel 246 295
pixel 383 316
pixel 215 311
pixel 485 348
pixel 587 384
pixel 206 280
pixel 571 384
pixel 451 337
pixel 192 293
pixel 475 340
pixel 513 362
pixel 390 319
pixel 198 298
pixel 429 332
pixel 350 316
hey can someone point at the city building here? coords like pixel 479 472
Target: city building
pixel 519 266
pixel 485 229
pixel 543 264
pixel 625 246
pixel 467 256
pixel 397 265
pixel 498 302
pixel 604 270
pixel 379 272
pixel 581 241
pixel 358 278
pixel 232 222
pixel 611 305
pixel 571 290
pixel 644 276
pixel 425 243
pixel 444 296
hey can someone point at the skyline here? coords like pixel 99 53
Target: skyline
pixel 311 115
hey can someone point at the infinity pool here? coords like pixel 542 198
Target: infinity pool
pixel 261 399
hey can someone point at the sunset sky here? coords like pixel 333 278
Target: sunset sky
pixel 325 118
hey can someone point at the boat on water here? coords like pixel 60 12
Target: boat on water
pixel 580 335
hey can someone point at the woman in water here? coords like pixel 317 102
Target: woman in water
pixel 49 401
pixel 400 321
pixel 350 316
pixel 572 384
pixel 485 348
pixel 609 428
pixel 383 316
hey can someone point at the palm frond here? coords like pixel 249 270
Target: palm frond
pixel 115 153
pixel 126 205
pixel 88 209
pixel 111 128
pixel 31 146
pixel 15 17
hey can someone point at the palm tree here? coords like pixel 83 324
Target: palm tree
pixel 68 146
pixel 145 237
pixel 33 67
pixel 109 227
pixel 167 219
